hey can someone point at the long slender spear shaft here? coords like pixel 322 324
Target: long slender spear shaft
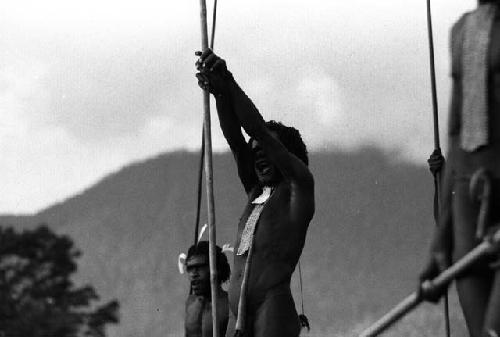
pixel 198 192
pixel 209 180
pixel 202 152
pixel 433 77
pixel 437 145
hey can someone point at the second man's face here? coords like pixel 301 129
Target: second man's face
pixel 198 272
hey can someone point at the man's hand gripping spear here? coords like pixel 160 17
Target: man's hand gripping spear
pixel 436 279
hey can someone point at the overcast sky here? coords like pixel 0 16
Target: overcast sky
pixel 89 86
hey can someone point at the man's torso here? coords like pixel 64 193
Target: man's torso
pixel 278 243
pixel 198 320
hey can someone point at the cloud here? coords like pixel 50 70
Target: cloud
pixel 114 81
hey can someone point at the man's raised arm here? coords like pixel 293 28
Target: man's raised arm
pixel 221 83
pixel 291 167
pixel 215 77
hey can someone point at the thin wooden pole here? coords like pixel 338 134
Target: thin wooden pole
pixel 198 191
pixel 202 151
pixel 437 146
pixel 209 180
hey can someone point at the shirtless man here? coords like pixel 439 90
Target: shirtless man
pixel 474 38
pixel 273 168
pixel 198 320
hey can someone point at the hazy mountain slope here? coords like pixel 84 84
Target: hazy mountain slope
pixel 367 241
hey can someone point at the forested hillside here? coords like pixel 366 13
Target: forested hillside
pixel 365 246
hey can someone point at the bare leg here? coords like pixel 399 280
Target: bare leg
pixel 277 317
pixel 492 320
pixel 473 295
pixel 474 287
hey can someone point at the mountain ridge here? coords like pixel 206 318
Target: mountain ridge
pixel 365 245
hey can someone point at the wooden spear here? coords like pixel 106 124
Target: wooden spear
pixel 209 180
pixel 202 150
pixel 490 244
pixel 437 145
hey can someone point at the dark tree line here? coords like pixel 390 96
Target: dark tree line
pixel 38 297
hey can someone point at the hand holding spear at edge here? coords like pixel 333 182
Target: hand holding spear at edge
pixel 490 243
pixel 438 261
pixel 436 160
pixel 480 189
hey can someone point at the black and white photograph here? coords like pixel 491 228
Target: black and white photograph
pixel 265 168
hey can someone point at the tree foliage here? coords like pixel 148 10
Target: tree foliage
pixel 37 295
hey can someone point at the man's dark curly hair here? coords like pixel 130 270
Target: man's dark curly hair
pixel 223 269
pixel 290 137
